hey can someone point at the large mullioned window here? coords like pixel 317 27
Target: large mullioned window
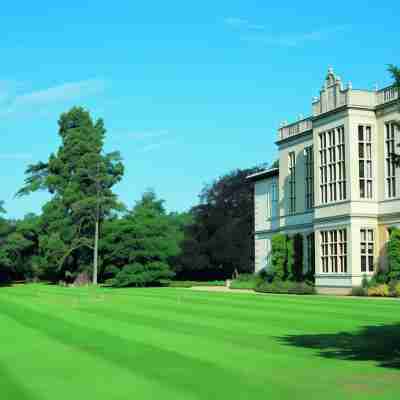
pixel 367 250
pixel 332 165
pixel 365 161
pixel 272 200
pixel 292 182
pixel 390 168
pixel 323 168
pixel 274 205
pixel 334 251
pixel 309 164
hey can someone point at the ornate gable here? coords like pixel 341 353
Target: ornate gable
pixel 332 94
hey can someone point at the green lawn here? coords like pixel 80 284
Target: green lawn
pixel 166 343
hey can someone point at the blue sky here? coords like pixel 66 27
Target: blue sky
pixel 188 90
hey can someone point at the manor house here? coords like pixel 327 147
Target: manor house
pixel 336 185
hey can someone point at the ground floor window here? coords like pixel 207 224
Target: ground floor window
pixel 334 251
pixel 367 250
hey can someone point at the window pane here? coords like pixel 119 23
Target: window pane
pixel 369 189
pixel 371 264
pixel 361 169
pixel 370 248
pixel 363 235
pixel 369 152
pixel 361 150
pixel 362 188
pixel 361 133
pixel 368 133
pixel 363 264
pixel 369 170
pixel 363 248
pixel 370 235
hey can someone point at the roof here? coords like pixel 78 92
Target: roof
pixel 268 173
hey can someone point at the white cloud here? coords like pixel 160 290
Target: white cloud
pixel 52 95
pixel 293 40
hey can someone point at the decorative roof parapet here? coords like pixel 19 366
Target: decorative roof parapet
pixel 334 96
pixel 387 94
pixel 295 128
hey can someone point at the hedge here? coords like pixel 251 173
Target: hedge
pixel 188 284
pixel 285 287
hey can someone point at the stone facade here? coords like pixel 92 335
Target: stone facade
pixel 336 185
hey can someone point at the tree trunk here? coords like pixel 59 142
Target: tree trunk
pixel 95 253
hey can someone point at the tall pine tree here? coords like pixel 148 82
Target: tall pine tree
pixel 80 176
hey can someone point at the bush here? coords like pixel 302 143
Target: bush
pixel 394 288
pixel 189 284
pixel 285 287
pixel 279 256
pixel 245 277
pixel 379 291
pixel 359 291
pixel 142 275
pixel 381 277
pixel 246 281
pixel 393 252
pixel 236 284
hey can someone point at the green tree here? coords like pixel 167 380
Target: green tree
pixel 393 251
pixel 220 238
pixel 5 263
pixel 80 176
pixel 137 248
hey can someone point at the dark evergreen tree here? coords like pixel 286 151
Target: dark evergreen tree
pixel 80 177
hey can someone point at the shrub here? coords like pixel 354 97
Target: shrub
pixel 285 287
pixel 189 284
pixel 278 255
pixel 142 275
pixel 381 277
pixel 365 282
pixel 359 291
pixel 290 261
pixel 246 281
pixel 245 277
pixel 394 288
pixel 242 284
pixel 379 291
pixel 393 252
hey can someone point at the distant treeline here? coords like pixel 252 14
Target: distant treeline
pixel 85 228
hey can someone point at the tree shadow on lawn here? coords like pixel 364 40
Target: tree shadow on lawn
pixel 379 343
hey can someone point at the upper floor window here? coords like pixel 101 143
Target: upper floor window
pixel 332 165
pixel 292 182
pixel 365 161
pixel 390 167
pixel 367 250
pixel 272 199
pixel 274 196
pixel 309 178
pixel 269 206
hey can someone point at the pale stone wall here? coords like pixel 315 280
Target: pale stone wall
pixel 336 106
